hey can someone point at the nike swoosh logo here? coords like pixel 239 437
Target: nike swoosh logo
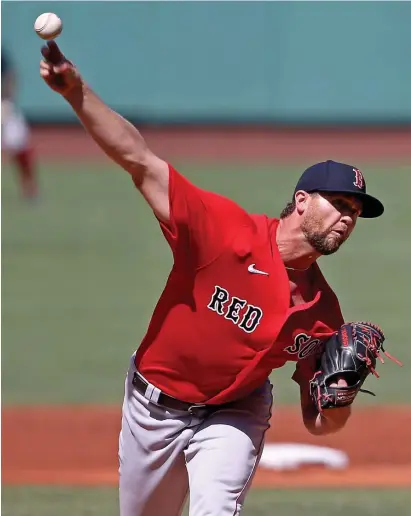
pixel 251 268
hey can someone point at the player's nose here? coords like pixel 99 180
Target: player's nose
pixel 348 219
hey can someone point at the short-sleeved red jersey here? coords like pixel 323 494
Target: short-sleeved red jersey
pixel 223 321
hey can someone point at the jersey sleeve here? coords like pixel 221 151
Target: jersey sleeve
pixel 201 222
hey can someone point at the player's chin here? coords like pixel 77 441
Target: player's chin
pixel 331 246
pixel 333 243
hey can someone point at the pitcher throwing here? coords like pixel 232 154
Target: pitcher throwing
pixel 245 295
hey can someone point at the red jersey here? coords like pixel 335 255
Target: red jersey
pixel 224 321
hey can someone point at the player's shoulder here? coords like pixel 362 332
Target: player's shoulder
pixel 263 218
pixel 179 180
pixel 263 223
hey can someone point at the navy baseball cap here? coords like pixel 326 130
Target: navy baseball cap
pixel 331 176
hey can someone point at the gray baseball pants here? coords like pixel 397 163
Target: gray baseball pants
pixel 166 454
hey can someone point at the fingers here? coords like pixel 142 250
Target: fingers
pixel 62 68
pixel 54 60
pixel 52 53
pixel 45 51
pixel 44 73
pixel 340 383
pixel 47 69
pixel 54 47
pixel 58 72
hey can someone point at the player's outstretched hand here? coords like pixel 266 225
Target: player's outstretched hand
pixel 58 72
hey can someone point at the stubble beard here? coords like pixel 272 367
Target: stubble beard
pixel 323 241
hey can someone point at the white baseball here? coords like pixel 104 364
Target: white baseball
pixel 48 26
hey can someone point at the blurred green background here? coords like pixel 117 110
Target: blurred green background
pixel 83 266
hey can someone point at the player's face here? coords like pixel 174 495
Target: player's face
pixel 329 220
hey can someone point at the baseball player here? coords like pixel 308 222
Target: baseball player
pixel 16 132
pixel 244 296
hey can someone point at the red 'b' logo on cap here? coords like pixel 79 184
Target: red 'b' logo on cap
pixel 359 179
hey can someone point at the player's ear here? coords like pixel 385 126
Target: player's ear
pixel 301 201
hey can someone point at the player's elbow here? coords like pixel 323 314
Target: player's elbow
pixel 135 159
pixel 141 163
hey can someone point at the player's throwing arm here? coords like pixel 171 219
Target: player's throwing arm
pixel 117 137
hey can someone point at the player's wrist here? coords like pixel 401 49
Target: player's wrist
pixel 75 95
pixel 333 419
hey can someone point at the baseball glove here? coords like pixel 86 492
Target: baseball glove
pixel 351 354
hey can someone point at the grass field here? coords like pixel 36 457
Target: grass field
pixel 83 267
pixel 46 501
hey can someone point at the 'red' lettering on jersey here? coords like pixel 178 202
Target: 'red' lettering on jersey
pixel 223 321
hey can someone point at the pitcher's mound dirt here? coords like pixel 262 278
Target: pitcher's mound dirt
pixel 77 445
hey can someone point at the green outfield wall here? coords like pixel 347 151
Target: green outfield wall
pixel 281 62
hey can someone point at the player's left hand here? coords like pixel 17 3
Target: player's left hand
pixel 349 356
pixel 337 417
pixel 334 419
